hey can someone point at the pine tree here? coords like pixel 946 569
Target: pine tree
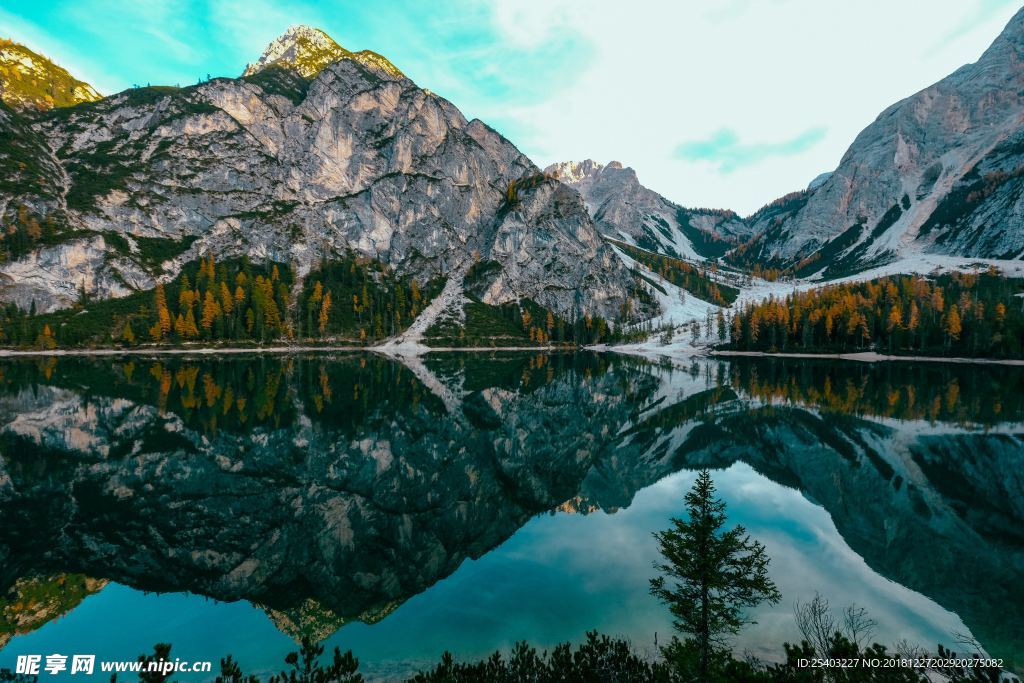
pixel 954 325
pixel 46 340
pixel 325 310
pixel 185 297
pixel 189 326
pixel 163 315
pixel 211 311
pixel 709 574
pixel 211 269
pixel 226 301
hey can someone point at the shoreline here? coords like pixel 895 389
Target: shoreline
pixel 868 357
pixel 420 350
pixel 238 350
pixel 199 351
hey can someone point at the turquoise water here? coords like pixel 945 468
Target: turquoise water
pixel 562 564
pixel 556 578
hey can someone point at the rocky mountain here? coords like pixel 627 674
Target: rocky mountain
pixel 623 209
pixel 30 81
pixel 938 172
pixel 315 151
pixel 307 51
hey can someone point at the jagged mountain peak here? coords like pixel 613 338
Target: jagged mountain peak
pixel 623 209
pixel 300 32
pixel 574 171
pixel 29 80
pixel 302 48
pixel 307 50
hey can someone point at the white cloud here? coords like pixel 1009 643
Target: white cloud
pixel 662 74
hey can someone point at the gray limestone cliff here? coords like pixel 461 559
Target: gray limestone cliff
pixel 316 151
pixel 623 209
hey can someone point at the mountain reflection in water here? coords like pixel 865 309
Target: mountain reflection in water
pixel 329 489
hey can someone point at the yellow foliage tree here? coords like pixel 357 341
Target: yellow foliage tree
pixel 189 326
pixel 46 340
pixel 226 301
pixel 954 326
pixel 211 311
pixel 325 310
pixel 163 315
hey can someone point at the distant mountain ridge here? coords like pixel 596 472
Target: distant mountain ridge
pixel 623 209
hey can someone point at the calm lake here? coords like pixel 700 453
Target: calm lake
pixel 468 501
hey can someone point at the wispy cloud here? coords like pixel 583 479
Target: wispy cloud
pixel 727 153
pixel 973 17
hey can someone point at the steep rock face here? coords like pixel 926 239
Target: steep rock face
pixel 60 273
pixel 552 254
pixel 30 81
pixel 32 175
pixel 939 171
pixel 275 165
pixel 623 209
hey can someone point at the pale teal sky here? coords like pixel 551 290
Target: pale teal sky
pixel 726 104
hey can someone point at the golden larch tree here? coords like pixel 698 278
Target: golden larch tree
pixel 325 312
